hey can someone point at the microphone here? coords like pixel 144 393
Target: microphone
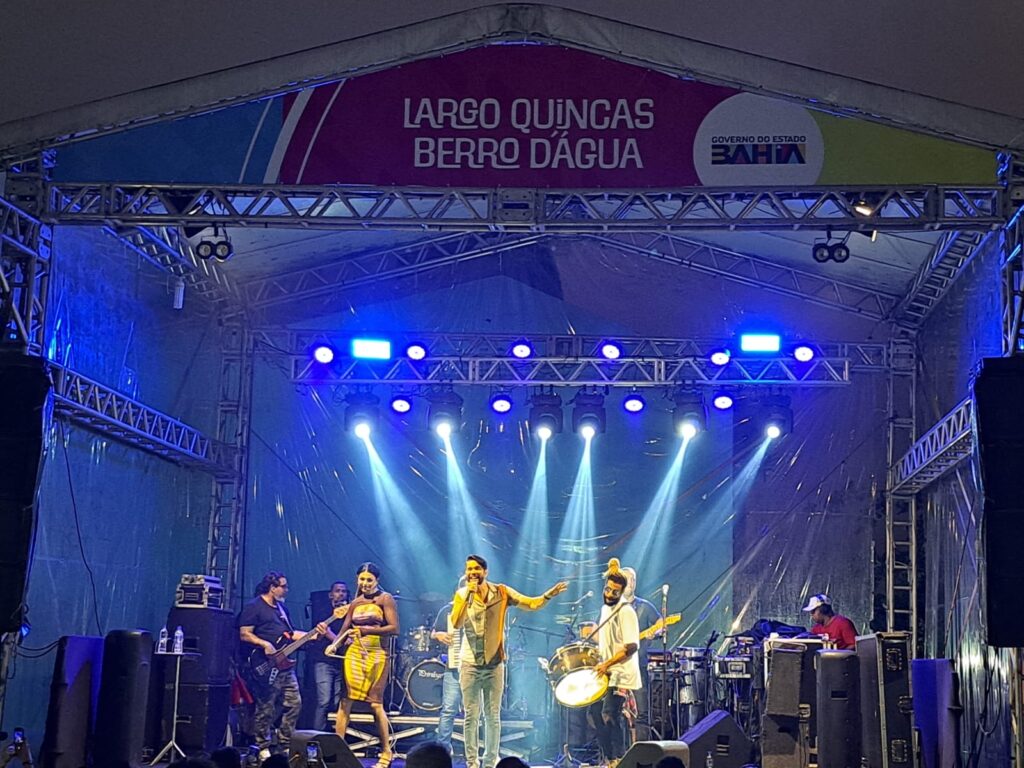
pixel 664 590
pixel 590 593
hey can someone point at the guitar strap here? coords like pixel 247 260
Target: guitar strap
pixel 284 617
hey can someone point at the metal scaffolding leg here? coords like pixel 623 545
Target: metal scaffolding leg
pixel 227 514
pixel 901 511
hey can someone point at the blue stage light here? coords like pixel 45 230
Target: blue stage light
pixel 720 357
pixel 363 430
pixel 501 403
pixel 401 404
pixel 722 401
pixel 773 431
pixel 610 350
pixel 371 349
pixel 323 354
pixel 803 353
pixel 522 349
pixel 634 403
pixel 416 351
pixel 760 342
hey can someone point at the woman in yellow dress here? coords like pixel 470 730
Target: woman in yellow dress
pixel 372 617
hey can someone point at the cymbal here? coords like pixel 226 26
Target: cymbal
pixel 564 619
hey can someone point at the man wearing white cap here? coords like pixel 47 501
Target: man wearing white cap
pixel 829 624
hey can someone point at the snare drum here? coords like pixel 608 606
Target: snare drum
pixel 418 640
pixel 571 674
pixel 424 683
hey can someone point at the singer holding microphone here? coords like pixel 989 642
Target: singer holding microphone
pixel 479 609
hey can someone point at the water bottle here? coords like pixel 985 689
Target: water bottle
pixel 161 646
pixel 709 761
pixel 179 640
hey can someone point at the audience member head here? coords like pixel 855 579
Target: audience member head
pixel 226 757
pixel 275 761
pixel 511 762
pixel 429 754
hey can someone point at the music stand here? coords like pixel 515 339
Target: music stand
pixel 172 745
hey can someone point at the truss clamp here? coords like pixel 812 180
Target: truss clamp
pixel 516 206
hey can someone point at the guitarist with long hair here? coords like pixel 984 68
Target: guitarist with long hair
pixel 264 623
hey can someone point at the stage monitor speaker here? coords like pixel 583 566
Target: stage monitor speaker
pixel 997 391
pixel 320 750
pixel 26 387
pixel 838 708
pixel 202 716
pixel 123 699
pixel 937 712
pixel 213 634
pixel 785 676
pixel 780 742
pixel 716 736
pixel 74 693
pixel 886 708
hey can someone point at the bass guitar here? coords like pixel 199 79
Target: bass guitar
pixel 264 668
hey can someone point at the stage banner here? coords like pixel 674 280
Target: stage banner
pixel 525 116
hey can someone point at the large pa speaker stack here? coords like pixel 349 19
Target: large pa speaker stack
pixel 838 705
pixel 716 740
pixel 123 698
pixel 886 711
pixel 26 387
pixel 204 696
pixel 74 693
pixel 789 726
pixel 998 391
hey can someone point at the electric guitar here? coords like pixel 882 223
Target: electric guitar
pixel 659 625
pixel 264 668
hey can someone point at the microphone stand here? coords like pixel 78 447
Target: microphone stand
pixel 670 671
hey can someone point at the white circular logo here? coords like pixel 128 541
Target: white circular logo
pixel 754 140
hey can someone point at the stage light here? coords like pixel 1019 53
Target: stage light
pixel 323 354
pixel 205 249
pixel 363 409
pixel 803 353
pixel 777 417
pixel 416 351
pixel 634 403
pixel 689 416
pixel 723 401
pixel 223 250
pixel 443 430
pixel 760 342
pixel 587 431
pixel 720 357
pixel 863 207
pixel 371 349
pixel 840 252
pixel 522 349
pixel 545 413
pixel 401 404
pixel 588 410
pixel 216 245
pixel 362 430
pixel 821 252
pixel 445 408
pixel 610 350
pixel 501 403
pixel 544 432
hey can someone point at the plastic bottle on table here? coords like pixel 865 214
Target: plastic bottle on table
pixel 161 646
pixel 179 640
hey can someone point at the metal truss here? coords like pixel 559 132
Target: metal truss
pixel 25 244
pixel 940 449
pixel 1012 273
pixel 901 513
pixel 483 359
pixel 755 271
pixel 224 555
pixel 536 210
pixel 383 264
pixel 948 259
pixel 112 413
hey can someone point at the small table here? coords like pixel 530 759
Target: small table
pixel 172 746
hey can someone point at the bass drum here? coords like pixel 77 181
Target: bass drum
pixel 424 683
pixel 571 674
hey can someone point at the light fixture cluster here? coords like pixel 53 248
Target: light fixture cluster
pixel 217 246
pixel 827 250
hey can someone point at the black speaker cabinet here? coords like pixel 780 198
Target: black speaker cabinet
pixel 210 632
pixel 322 750
pixel 887 727
pixel 124 694
pixel 202 716
pixel 717 736
pixel 937 712
pixel 838 708
pixel 74 694
pixel 781 740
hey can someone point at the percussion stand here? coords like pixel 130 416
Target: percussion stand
pixel 393 679
pixel 565 757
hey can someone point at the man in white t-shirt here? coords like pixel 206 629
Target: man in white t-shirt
pixel 617 641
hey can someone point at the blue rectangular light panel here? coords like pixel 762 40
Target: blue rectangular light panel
pixel 760 342
pixel 371 349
